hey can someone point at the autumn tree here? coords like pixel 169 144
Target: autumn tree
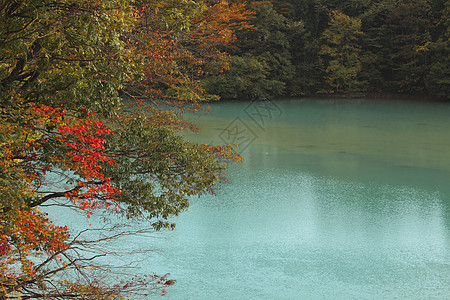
pixel 179 41
pixel 341 50
pixel 69 139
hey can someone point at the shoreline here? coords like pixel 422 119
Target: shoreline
pixel 407 97
pixel 368 96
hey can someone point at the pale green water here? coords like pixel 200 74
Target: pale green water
pixel 334 200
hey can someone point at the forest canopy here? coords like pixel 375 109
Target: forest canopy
pixel 316 47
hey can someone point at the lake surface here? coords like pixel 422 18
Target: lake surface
pixel 335 199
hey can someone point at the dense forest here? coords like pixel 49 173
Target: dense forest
pixel 313 47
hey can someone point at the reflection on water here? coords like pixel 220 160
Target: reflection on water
pixel 285 234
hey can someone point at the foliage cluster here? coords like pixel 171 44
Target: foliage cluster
pixel 75 131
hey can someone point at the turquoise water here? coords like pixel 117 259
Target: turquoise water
pixel 335 199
